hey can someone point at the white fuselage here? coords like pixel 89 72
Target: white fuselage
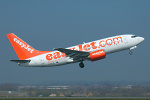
pixel 110 45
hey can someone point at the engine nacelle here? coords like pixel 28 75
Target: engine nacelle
pixel 97 55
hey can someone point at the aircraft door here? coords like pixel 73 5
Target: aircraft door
pixel 41 61
pixel 125 39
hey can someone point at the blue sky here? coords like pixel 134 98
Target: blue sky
pixel 48 24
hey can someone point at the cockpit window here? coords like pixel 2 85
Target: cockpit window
pixel 133 36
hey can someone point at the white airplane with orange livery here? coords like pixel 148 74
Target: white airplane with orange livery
pixel 92 51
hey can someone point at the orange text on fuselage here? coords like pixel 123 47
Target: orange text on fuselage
pixel 86 47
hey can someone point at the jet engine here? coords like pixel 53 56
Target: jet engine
pixel 97 55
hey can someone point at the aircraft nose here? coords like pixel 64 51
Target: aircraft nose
pixel 141 39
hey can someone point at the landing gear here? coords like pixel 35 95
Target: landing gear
pixel 130 52
pixel 81 64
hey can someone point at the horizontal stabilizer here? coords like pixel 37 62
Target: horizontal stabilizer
pixel 20 61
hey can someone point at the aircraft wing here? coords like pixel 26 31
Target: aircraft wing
pixel 76 55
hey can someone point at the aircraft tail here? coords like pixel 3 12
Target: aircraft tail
pixel 22 49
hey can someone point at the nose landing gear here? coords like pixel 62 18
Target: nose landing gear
pixel 81 64
pixel 130 52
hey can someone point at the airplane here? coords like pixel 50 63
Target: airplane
pixel 91 51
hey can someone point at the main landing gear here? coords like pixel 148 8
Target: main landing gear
pixel 81 64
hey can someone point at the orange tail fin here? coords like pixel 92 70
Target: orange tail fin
pixel 22 49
